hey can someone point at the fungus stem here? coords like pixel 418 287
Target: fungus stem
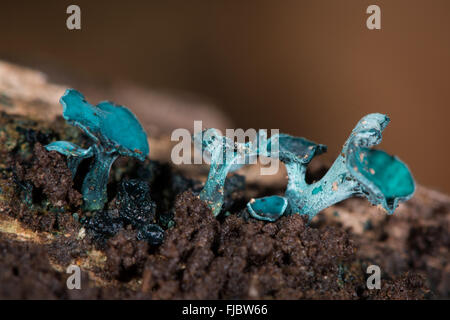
pixel 213 190
pixel 73 163
pixel 296 172
pixel 313 198
pixel 94 188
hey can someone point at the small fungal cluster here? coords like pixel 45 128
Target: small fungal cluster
pixel 359 170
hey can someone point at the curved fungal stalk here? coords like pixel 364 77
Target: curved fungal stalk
pixel 224 156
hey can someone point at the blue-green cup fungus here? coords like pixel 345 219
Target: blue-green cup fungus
pixel 384 179
pixel 223 156
pixel 114 131
pixel 267 208
pixel 358 171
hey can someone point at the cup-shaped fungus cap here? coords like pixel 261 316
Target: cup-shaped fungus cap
pixel 384 179
pixel 292 149
pixel 267 208
pixel 114 127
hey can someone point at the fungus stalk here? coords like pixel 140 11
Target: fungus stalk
pixel 94 188
pixel 213 190
pixel 224 155
pixel 309 199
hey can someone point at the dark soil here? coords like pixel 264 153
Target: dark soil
pixel 156 239
pixel 25 272
pixel 125 256
pixel 203 258
pixel 50 175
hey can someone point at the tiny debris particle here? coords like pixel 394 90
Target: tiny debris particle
pixel 380 207
pixel 334 186
pixel 81 234
pixel 361 156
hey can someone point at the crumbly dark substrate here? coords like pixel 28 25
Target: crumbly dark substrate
pixel 201 257
pixel 237 259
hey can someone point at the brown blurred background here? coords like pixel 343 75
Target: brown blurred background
pixel 309 68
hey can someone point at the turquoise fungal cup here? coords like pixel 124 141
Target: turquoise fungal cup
pixel 268 208
pixel 114 131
